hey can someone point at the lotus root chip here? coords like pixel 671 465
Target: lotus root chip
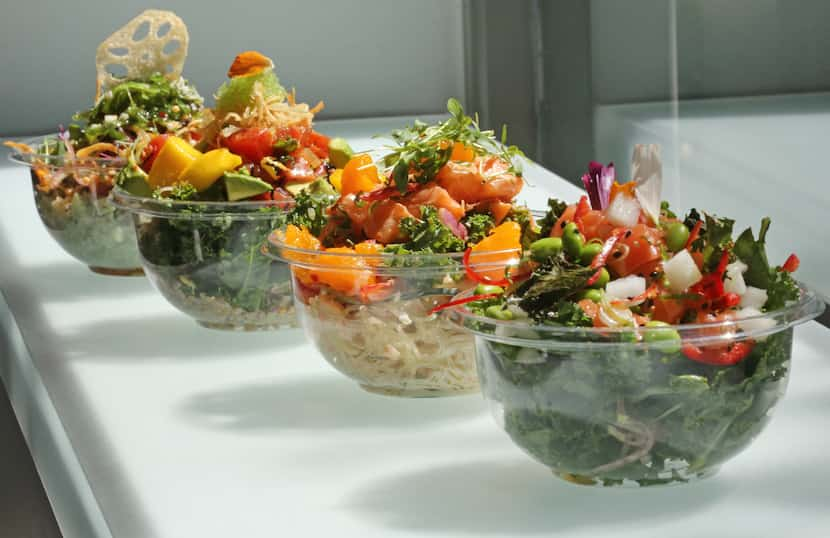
pixel 153 42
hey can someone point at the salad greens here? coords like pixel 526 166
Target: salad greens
pixel 422 149
pixel 155 105
pixel 585 412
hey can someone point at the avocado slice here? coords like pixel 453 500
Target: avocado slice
pixel 340 152
pixel 297 188
pixel 133 180
pixel 242 186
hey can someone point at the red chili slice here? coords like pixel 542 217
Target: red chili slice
pixel 711 286
pixel 694 234
pixel 465 300
pixel 792 263
pixel 607 247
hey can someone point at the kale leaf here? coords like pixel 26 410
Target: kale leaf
pixel 429 234
pixel 479 226
pixel 569 314
pixel 550 283
pixel 311 207
pixel 781 288
pixel 555 209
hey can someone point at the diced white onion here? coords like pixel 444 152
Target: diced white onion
pixel 734 282
pixel 754 298
pixel 681 271
pixel 625 288
pixel 738 265
pixel 623 211
pixel 753 325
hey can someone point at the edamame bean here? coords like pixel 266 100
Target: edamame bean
pixel 604 278
pixel 592 295
pixel 572 241
pixel 497 312
pixel 676 236
pixel 660 332
pixel 547 247
pixel 485 289
pixel 589 252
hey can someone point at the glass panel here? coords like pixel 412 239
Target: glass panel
pixel 738 95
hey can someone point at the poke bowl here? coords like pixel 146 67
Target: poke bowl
pixel 71 196
pixel 204 206
pixel 373 315
pixel 641 348
pixel 436 215
pixel 611 407
pixel 74 172
pixel 205 258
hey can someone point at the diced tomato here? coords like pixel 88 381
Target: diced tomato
pixel 595 225
pixel 152 150
pixel 668 310
pixel 252 144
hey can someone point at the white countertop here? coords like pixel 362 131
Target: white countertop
pixel 143 424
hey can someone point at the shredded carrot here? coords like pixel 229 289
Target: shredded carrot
pixel 19 146
pixel 95 149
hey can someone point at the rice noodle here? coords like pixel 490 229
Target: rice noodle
pixel 393 346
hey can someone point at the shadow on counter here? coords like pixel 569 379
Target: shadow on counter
pixel 515 498
pixel 321 403
pixel 174 337
pixel 71 281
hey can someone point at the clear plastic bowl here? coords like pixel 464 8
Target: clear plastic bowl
pixel 77 211
pixel 385 337
pixel 615 407
pixel 206 259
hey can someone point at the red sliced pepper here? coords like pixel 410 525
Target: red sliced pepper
pixel 465 300
pixel 607 247
pixel 719 355
pixel 792 263
pixel 694 234
pixel 481 279
pixel 711 286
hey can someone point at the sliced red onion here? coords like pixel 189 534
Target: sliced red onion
pixel 598 183
pixel 452 223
